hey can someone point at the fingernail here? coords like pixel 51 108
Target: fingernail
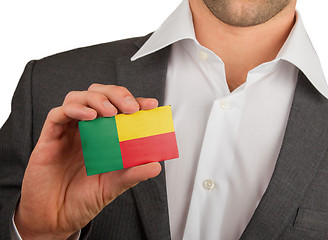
pixel 130 101
pixel 154 101
pixel 86 109
pixel 90 111
pixel 107 104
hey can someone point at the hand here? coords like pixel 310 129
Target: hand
pixel 57 197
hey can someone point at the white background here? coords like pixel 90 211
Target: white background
pixel 37 28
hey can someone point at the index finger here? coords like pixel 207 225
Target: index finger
pixel 119 96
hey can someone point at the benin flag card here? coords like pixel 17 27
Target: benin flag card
pixel 128 140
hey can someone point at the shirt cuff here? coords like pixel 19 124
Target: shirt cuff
pixel 16 236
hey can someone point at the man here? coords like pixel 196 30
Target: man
pixel 250 111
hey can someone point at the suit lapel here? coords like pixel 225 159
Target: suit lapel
pixel 303 148
pixel 146 77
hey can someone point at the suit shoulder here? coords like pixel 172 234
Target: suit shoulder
pixel 77 69
pixel 95 54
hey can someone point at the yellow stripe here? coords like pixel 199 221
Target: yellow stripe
pixel 144 123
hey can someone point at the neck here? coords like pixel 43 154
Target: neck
pixel 241 48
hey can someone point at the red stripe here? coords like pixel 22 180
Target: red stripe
pixel 149 149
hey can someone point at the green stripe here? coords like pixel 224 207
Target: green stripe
pixel 100 144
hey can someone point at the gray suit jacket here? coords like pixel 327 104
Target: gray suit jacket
pixel 294 206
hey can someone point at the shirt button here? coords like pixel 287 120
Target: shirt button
pixel 203 55
pixel 224 104
pixel 208 184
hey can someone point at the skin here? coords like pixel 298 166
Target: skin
pixel 57 198
pixel 242 48
pixel 245 13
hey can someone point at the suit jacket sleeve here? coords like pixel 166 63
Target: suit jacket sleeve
pixel 16 144
pixel 15 149
pixel 139 213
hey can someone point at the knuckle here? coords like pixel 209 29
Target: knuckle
pixel 70 96
pixel 140 99
pixel 94 96
pixel 53 111
pixel 93 86
pixel 121 90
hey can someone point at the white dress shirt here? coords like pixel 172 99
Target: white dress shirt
pixel 228 141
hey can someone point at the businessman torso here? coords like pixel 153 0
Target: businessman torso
pixel 294 206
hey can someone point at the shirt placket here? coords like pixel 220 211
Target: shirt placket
pixel 217 156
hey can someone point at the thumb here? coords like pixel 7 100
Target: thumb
pixel 137 174
pixel 119 181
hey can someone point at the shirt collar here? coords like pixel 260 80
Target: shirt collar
pixel 176 27
pixel 297 49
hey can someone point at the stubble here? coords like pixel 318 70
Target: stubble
pixel 245 13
